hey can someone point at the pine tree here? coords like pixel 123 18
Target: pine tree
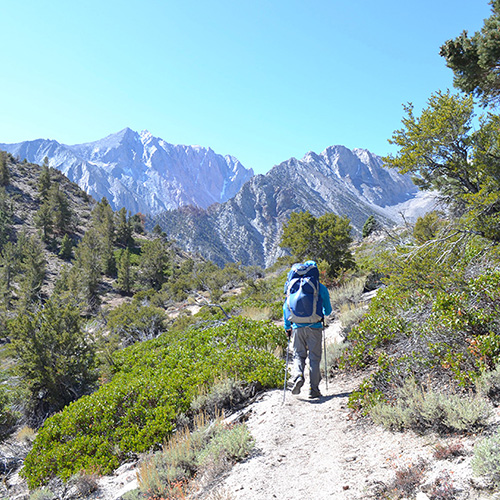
pixel 87 269
pixel 33 267
pixel 5 217
pixel 66 250
pixel 4 170
pixel 154 263
pixel 103 222
pixel 9 267
pixel 62 213
pixel 44 181
pixel 44 220
pixel 124 229
pixel 124 281
pixel 370 225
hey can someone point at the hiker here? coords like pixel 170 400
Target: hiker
pixel 307 303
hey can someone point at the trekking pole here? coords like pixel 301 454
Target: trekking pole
pixel 324 348
pixel 286 370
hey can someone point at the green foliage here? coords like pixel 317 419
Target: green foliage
pixel 44 181
pixel 443 152
pixel 135 321
pixel 369 226
pixel 154 382
pixel 125 273
pixel 155 263
pixel 436 320
pixel 55 359
pixel 209 447
pixel 415 408
pixel 124 229
pixel 427 227
pixel 486 460
pixel 4 169
pixel 326 238
pixel 475 60
pixel 66 250
pixel 8 418
pixel 32 269
pixel 103 222
pixel 6 213
pixel 86 271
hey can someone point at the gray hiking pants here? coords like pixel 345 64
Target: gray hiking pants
pixel 307 339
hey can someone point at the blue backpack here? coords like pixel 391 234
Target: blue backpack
pixel 303 301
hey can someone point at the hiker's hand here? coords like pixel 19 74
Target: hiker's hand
pixel 288 333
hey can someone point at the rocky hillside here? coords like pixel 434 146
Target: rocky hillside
pixel 141 172
pixel 247 228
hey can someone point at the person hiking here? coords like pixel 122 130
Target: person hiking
pixel 307 303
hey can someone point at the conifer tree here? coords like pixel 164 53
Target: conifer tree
pixel 124 228
pixel 124 281
pixel 325 238
pixel 103 222
pixel 44 220
pixel 154 263
pixel 66 250
pixel 55 359
pixel 33 268
pixel 62 213
pixel 4 169
pixel 44 181
pixel 9 267
pixel 5 216
pixel 87 269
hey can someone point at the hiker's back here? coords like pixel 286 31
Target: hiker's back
pixel 302 290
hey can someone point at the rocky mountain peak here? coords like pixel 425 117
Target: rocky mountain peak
pixel 141 172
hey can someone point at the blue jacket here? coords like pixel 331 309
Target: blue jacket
pixel 327 309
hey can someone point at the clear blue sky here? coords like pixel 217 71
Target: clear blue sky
pixel 260 80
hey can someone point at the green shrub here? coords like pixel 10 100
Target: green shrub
pixel 154 382
pixel 486 460
pixel 489 384
pixel 42 494
pixel 211 447
pixel 436 320
pixel 135 321
pixel 417 409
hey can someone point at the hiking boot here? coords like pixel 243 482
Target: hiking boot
pixel 299 382
pixel 314 394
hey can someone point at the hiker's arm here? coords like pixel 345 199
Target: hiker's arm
pixel 325 297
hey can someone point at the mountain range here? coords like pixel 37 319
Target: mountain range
pixel 212 204
pixel 141 172
pixel 247 228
